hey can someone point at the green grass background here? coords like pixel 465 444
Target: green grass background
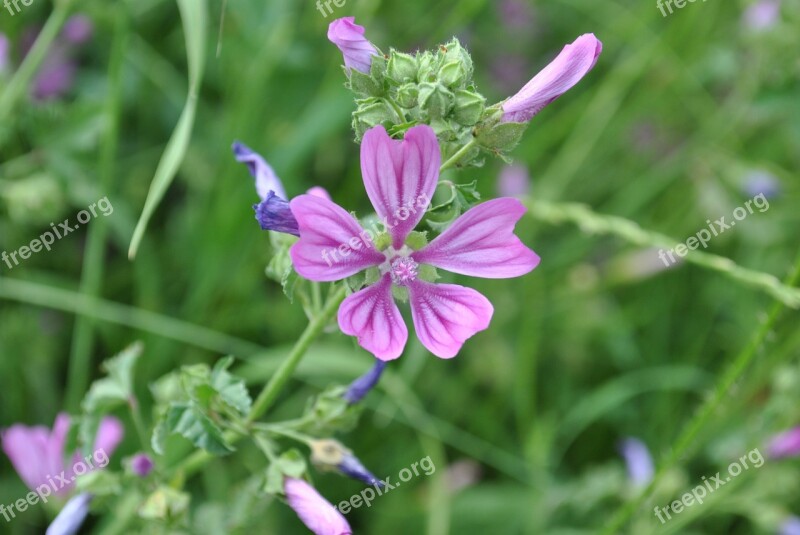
pixel 581 353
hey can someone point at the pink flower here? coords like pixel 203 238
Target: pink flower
pixel 400 178
pixel 315 511
pixel 557 78
pixel 762 15
pixel 5 47
pixel 349 37
pixel 37 453
pixel 786 444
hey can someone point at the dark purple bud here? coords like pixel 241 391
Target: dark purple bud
pixel 361 386
pixel 141 464
pixel 78 29
pixel 273 213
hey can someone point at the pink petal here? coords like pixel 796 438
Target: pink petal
pixel 481 243
pixel 557 78
pixel 349 38
pixel 372 315
pixel 109 435
pixel 446 315
pixel 400 176
pixel 315 511
pixel 319 191
pixel 332 244
pixel 26 448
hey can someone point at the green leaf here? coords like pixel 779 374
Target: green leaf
pixel 194 17
pixel 165 503
pixel 189 421
pixel 330 413
pixel 230 388
pixel 290 464
pixel 100 483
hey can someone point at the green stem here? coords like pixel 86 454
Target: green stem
pixel 458 155
pixel 400 115
pixel 270 392
pixel 23 76
pixel 705 412
pixel 138 423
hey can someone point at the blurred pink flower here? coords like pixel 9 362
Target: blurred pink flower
pixel 514 181
pixel 316 512
pixel 786 444
pixel 37 453
pixel 762 15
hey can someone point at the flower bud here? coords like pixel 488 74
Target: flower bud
pixel 435 99
pixel 141 464
pixel 469 107
pixel 274 213
pixel 329 454
pixel 72 516
pixel 361 386
pixel 371 112
pixel 407 96
pixel 402 67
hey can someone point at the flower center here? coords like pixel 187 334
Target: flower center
pixel 403 270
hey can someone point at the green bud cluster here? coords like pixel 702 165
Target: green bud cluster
pixel 429 87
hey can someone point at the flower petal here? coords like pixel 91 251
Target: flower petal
pixel 316 512
pixel 266 178
pixel 372 315
pixel 26 449
pixel 109 435
pixel 72 516
pixel 446 315
pixel 400 176
pixel 349 37
pixel 332 244
pixel 557 78
pixel 273 213
pixel 481 243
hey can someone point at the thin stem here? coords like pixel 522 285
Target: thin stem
pixel 273 388
pixel 400 115
pixel 138 423
pixel 458 155
pixel 23 76
pixel 294 435
pixel 687 437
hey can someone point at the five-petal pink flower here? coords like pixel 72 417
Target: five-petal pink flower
pixel 557 78
pixel 480 243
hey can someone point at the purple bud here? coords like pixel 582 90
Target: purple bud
pixel 266 178
pixel 557 78
pixel 762 15
pixel 786 444
pixel 761 182
pixel 638 460
pixel 78 29
pixel 514 181
pixel 349 37
pixel 141 464
pixel 273 213
pixel 790 526
pixel 5 48
pixel 72 516
pixel 352 467
pixel 362 386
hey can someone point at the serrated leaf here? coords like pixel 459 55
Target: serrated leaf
pixel 231 389
pixel 189 421
pixel 291 463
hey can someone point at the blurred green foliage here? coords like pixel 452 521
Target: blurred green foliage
pixel 599 343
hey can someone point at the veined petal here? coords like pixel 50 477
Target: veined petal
pixel 332 244
pixel 400 176
pixel 372 315
pixel 481 243
pixel 266 178
pixel 316 512
pixel 557 78
pixel 446 315
pixel 349 38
